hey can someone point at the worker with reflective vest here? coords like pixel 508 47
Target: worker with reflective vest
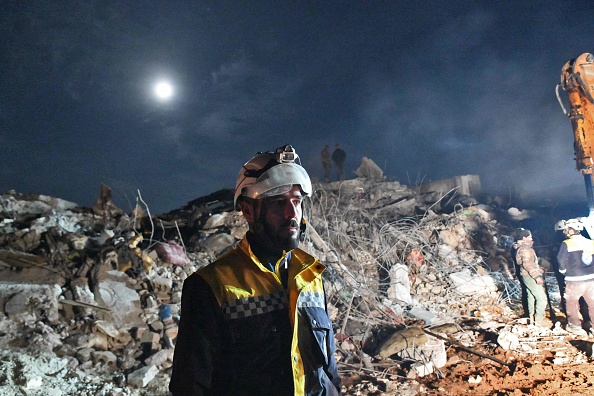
pixel 575 264
pixel 255 321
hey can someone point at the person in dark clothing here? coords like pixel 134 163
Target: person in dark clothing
pixel 255 321
pixel 575 264
pixel 338 157
pixel 532 277
pixel 326 162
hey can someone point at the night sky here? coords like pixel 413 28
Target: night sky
pixel 427 89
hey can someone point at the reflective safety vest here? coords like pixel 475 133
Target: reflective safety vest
pixel 247 291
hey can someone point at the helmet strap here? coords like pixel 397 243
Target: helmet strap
pixel 302 228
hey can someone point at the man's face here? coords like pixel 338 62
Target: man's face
pixel 281 217
pixel 569 231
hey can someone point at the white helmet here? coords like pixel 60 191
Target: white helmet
pixel 575 224
pixel 271 173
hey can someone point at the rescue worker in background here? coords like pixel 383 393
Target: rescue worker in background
pixel 575 264
pixel 255 321
pixel 532 277
pixel 339 156
pixel 326 162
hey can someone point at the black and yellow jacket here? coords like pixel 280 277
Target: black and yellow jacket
pixel 242 333
pixel 575 259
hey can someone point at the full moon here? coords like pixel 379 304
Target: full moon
pixel 163 90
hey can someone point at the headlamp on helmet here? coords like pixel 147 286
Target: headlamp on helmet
pixel 575 224
pixel 286 154
pixel 271 173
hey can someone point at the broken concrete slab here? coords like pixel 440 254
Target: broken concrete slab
pixel 399 288
pixel 369 170
pixel 114 292
pixel 464 185
pixel 468 283
pixel 141 377
pixel 28 303
pixel 218 243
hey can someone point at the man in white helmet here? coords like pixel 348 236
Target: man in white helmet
pixel 255 321
pixel 575 263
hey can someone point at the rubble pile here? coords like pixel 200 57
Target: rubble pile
pixel 90 296
pixel 90 293
pixel 398 266
pixel 385 243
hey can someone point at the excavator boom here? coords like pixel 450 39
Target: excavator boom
pixel 577 79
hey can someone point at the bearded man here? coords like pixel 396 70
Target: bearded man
pixel 255 321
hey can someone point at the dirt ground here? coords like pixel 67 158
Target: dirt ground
pixel 471 375
pixel 537 376
pixel 549 362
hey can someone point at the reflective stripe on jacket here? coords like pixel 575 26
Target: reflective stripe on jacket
pixel 265 339
pixel 575 259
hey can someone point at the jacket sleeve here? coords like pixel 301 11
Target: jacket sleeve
pixel 197 343
pixel 332 370
pixel 562 257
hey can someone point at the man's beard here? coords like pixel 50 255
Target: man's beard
pixel 273 240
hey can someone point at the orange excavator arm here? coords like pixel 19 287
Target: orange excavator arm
pixel 577 79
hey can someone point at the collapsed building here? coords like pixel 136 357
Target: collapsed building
pixel 90 297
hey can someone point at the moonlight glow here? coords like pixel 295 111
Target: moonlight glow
pixel 163 90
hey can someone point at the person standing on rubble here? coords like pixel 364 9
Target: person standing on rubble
pixel 255 321
pixel 326 162
pixel 532 277
pixel 339 156
pixel 575 264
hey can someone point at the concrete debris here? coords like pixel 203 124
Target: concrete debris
pixel 369 170
pixel 28 303
pixel 90 297
pixel 218 243
pixel 427 316
pixel 114 292
pixel 508 340
pixel 141 377
pixel 468 283
pixel 399 289
pixel 466 185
